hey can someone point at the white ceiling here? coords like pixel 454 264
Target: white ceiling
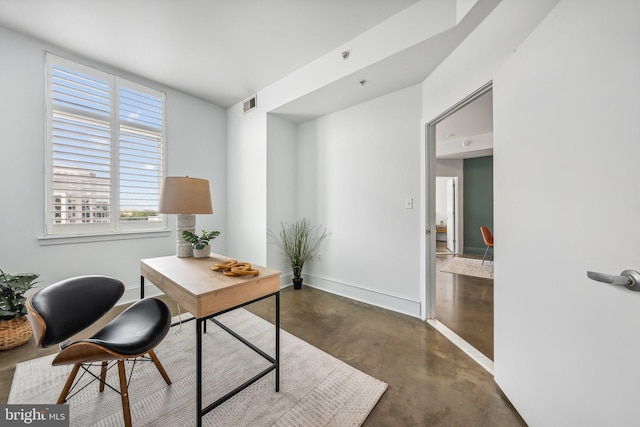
pixel 406 68
pixel 474 118
pixel 468 132
pixel 222 51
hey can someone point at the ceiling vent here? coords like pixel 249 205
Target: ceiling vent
pixel 250 104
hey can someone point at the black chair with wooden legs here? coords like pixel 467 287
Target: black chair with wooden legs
pixel 66 308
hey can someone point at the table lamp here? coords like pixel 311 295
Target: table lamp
pixel 186 197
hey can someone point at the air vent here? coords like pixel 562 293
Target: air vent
pixel 250 104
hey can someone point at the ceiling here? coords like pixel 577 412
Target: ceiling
pixel 221 51
pixel 468 132
pixel 224 51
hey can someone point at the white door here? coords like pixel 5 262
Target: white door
pixel 567 186
pixel 451 214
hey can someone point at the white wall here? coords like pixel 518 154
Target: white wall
pixel 462 7
pixel 441 199
pixel 566 111
pixel 452 168
pixel 476 59
pixel 247 134
pixel 356 169
pixel 282 186
pixel 196 146
pixel 467 69
pixel 247 183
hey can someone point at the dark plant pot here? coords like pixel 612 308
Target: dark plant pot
pixel 297 283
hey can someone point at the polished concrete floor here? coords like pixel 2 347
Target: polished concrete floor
pixel 431 382
pixel 465 305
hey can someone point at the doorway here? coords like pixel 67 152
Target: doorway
pixel 461 305
pixel 447 217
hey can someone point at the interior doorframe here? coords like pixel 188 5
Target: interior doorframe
pixel 428 242
pixel 429 208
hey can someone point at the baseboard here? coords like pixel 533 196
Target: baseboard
pixel 397 303
pixel 286 280
pixel 463 345
pixel 363 294
pixel 386 300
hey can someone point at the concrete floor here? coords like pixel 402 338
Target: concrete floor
pixel 465 305
pixel 431 382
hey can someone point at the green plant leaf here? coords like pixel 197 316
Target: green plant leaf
pixel 12 290
pixel 298 241
pixel 199 242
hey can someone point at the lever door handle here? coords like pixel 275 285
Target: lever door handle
pixel 630 279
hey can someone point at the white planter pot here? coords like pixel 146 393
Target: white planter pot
pixel 202 253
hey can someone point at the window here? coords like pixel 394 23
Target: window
pixel 105 152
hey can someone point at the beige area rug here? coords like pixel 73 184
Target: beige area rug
pixel 470 267
pixel 316 389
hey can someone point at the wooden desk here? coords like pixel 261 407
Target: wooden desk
pixel 205 294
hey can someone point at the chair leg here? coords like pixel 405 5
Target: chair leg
pixel 156 362
pixel 124 394
pixel 103 376
pixel 485 254
pixel 67 387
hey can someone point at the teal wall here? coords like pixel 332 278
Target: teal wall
pixel 478 202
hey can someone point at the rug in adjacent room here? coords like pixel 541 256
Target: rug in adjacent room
pixel 316 389
pixel 470 267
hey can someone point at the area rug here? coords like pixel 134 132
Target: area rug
pixel 316 389
pixel 470 267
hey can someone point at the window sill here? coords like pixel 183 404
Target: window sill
pixel 86 238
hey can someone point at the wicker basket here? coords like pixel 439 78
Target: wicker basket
pixel 14 332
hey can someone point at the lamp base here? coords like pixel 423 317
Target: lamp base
pixel 185 222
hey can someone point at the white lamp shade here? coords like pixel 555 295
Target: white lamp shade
pixel 185 195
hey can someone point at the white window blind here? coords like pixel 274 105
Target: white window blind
pixel 105 152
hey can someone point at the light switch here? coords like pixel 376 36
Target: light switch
pixel 408 204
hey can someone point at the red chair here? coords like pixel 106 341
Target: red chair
pixel 488 240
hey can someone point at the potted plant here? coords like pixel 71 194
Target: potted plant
pixel 200 244
pixel 299 242
pixel 15 328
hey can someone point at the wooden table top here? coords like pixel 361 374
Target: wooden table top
pixel 197 288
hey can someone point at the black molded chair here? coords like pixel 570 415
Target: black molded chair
pixel 66 308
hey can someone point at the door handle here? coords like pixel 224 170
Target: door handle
pixel 630 279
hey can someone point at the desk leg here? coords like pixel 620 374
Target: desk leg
pixel 278 342
pixel 199 372
pixel 141 287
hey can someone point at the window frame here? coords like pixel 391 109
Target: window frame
pixel 126 229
